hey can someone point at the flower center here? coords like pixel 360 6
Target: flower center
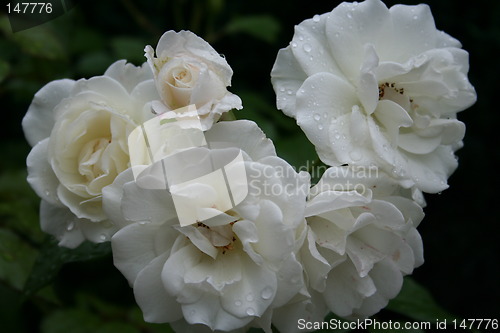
pixel 89 160
pixel 391 91
pixel 221 237
pixel 391 88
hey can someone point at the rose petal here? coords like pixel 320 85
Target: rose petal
pixel 62 224
pixel 351 26
pixel 134 248
pixel 39 120
pixel 287 76
pixel 156 304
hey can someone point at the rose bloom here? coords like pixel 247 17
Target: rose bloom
pixel 78 130
pixel 376 86
pixel 224 273
pixel 361 241
pixel 189 71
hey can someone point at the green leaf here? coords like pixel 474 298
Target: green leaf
pixel 38 41
pixel 263 27
pixel 94 63
pixel 116 327
pixel 131 49
pixel 52 257
pixel 416 302
pixel 19 204
pixel 16 259
pixel 10 316
pixel 300 153
pixel 4 69
pixel 71 320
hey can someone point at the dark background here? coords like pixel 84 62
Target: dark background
pixel 460 230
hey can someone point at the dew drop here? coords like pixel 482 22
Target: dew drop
pixel 349 15
pixel 337 136
pixel 70 226
pixel 47 192
pixel 320 127
pixel 316 18
pixel 289 92
pixel 102 237
pixel 415 17
pixel 249 297
pixel 237 303
pixel 250 312
pixel 307 47
pixel 282 89
pixel 266 293
pixel 317 117
pixel 294 44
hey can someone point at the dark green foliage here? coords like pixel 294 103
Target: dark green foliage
pixel 45 288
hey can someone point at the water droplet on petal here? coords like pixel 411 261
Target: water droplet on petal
pixel 294 44
pixel 250 312
pixel 102 237
pixel 70 226
pixel 237 303
pixel 47 192
pixel 249 297
pixel 349 15
pixel 282 89
pixel 415 17
pixel 307 47
pixel 316 18
pixel 266 293
pixel 320 127
pixel 289 92
pixel 316 117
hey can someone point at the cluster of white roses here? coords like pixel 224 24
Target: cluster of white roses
pixel 208 240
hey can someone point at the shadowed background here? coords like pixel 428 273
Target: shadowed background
pixel 460 230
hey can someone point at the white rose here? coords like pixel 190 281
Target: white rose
pixel 371 85
pixel 224 273
pixel 361 241
pixel 189 71
pixel 78 130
